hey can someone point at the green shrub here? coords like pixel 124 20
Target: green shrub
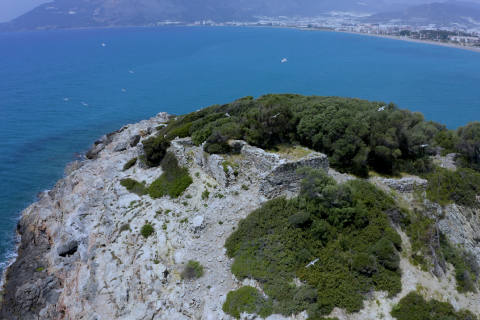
pixel 40 269
pixel 155 149
pixel 467 270
pixel 246 299
pixel 468 144
pixel 205 194
pixel 365 263
pixel 460 186
pixel 125 227
pixel 147 230
pixel 174 180
pixel 341 258
pixel 414 307
pixel 134 186
pixel 299 220
pixel 193 270
pixel 130 164
pixel 385 251
pixel 225 166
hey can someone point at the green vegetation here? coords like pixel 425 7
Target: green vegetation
pixel 130 164
pixel 174 180
pixel 357 135
pixel 336 238
pixel 155 149
pixel 352 132
pixel 467 270
pixel 414 307
pixel 246 299
pixel 40 269
pixel 461 186
pixel 134 186
pixel 147 230
pixel 125 227
pixel 193 270
pixel 468 144
pixel 205 194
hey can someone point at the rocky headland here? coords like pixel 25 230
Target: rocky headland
pixel 82 255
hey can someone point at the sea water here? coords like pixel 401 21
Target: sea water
pixel 61 90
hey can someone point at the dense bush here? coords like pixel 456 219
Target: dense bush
pixel 414 307
pixel 174 180
pixel 193 270
pixel 246 299
pixel 147 230
pixel 446 140
pixel 155 149
pixel 134 186
pixel 356 134
pixel 468 144
pixel 130 164
pixel 460 186
pixel 336 238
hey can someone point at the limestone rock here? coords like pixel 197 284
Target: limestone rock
pixel 68 248
pixel 134 140
pixel 121 146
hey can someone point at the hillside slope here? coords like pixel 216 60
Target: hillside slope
pixel 441 14
pixel 173 218
pixel 100 13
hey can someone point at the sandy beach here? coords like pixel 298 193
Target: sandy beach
pixel 436 43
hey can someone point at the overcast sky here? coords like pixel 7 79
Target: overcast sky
pixel 10 9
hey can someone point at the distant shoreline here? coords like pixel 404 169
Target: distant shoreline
pixel 435 43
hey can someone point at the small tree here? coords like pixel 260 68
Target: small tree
pixel 469 142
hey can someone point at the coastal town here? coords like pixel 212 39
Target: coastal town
pixel 417 29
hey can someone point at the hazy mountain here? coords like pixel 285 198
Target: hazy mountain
pixel 97 13
pixel 434 13
pixel 473 5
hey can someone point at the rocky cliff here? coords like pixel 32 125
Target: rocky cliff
pixel 82 255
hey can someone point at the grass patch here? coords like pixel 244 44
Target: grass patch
pixel 291 152
pixel 134 186
pixel 125 227
pixel 174 180
pixel 40 269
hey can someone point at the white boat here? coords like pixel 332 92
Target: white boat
pixel 284 60
pixel 103 44
pixel 124 90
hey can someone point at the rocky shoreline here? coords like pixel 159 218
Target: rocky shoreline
pixel 82 255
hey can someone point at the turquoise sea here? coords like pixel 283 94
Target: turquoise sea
pixel 179 70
